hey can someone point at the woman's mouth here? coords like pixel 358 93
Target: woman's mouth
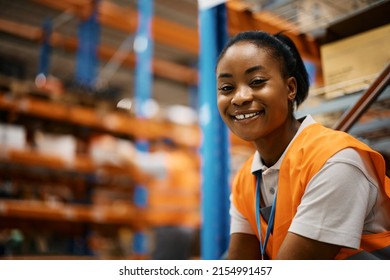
pixel 240 117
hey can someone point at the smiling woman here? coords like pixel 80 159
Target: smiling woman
pixel 253 96
pixel 309 192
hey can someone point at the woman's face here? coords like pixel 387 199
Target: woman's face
pixel 253 97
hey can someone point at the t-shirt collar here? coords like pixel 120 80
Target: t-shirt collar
pixel 257 163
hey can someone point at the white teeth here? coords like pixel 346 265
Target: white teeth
pixel 246 116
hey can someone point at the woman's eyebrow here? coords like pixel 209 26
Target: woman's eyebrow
pixel 253 69
pixel 247 71
pixel 225 75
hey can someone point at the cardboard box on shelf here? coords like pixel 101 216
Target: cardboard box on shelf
pixel 13 136
pixel 356 58
pixel 107 149
pixel 63 146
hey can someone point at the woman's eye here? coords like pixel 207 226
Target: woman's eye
pixel 257 82
pixel 225 88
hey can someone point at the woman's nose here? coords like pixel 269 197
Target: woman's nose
pixel 241 97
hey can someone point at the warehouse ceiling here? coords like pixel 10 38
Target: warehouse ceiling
pixel 313 17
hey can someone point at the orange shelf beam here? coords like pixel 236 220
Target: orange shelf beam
pixel 161 68
pixel 122 215
pixel 115 122
pixel 126 20
pixel 82 164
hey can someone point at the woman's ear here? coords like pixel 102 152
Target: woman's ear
pixel 292 88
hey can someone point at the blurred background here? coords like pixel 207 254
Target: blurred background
pixel 106 150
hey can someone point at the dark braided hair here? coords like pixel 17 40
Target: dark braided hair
pixel 284 51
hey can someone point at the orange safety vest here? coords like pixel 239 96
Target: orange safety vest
pixel 175 199
pixel 305 157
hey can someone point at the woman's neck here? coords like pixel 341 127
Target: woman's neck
pixel 272 146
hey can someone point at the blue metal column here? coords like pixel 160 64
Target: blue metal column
pixel 215 146
pixel 86 72
pixel 143 46
pixel 44 59
pixel 87 57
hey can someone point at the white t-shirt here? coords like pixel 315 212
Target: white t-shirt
pixel 340 202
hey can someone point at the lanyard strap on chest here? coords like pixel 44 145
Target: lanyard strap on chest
pixel 270 225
